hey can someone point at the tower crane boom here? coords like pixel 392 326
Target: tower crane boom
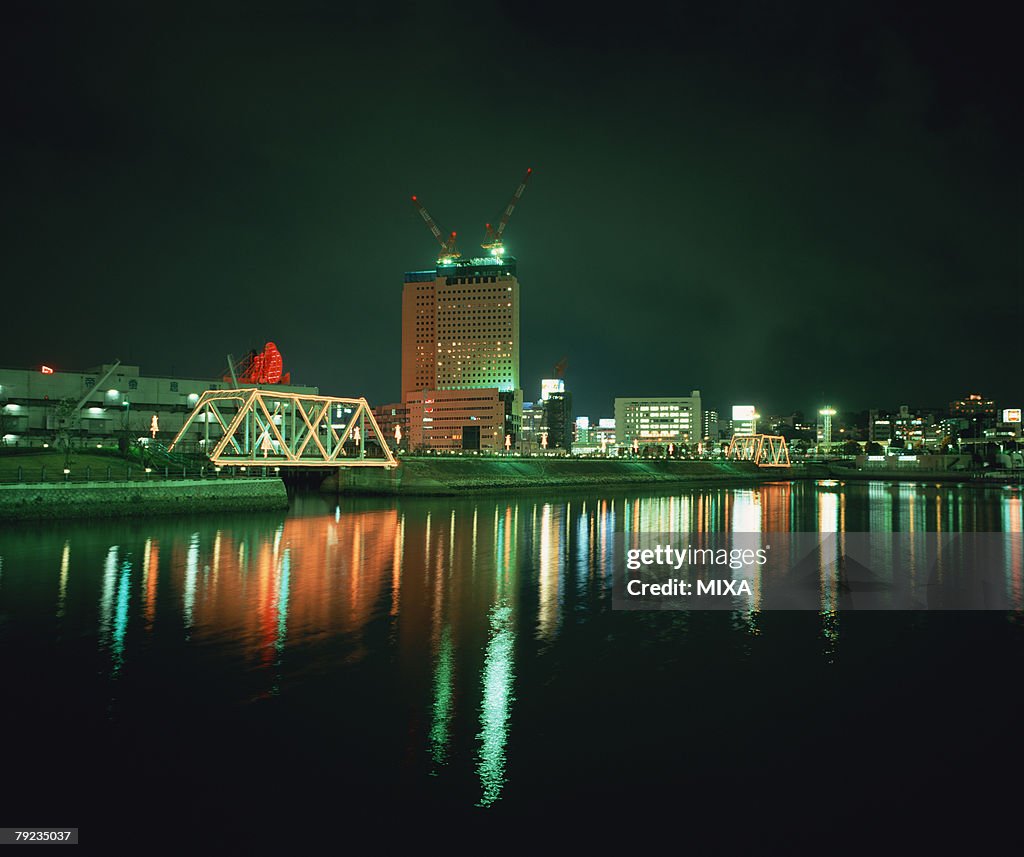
pixel 492 240
pixel 449 250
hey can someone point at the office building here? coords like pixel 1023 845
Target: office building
pixel 456 421
pixel 880 427
pixel 604 435
pixel 532 424
pixel 710 427
pixel 654 422
pixel 581 432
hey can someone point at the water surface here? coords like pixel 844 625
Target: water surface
pixel 440 660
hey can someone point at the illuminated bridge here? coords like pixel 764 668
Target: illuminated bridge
pixel 765 450
pixel 236 428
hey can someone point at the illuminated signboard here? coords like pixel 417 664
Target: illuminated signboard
pixel 1011 415
pixel 47 370
pixel 549 386
pixel 743 412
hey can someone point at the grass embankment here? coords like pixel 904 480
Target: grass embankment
pixel 470 472
pixel 48 465
pixel 455 475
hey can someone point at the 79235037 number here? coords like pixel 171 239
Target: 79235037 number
pixel 42 835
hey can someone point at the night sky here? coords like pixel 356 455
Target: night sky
pixel 773 205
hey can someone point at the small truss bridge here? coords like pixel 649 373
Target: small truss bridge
pixel 765 450
pixel 242 427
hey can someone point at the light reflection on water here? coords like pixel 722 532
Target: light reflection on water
pixel 471 590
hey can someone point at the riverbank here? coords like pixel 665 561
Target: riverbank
pixel 965 477
pixel 453 476
pixel 122 499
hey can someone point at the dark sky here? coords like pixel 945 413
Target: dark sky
pixel 769 202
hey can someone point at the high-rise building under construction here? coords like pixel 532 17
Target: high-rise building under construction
pixel 460 331
pixel 460 327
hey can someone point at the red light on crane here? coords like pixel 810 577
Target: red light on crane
pixel 449 252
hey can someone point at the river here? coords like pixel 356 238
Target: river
pixel 431 660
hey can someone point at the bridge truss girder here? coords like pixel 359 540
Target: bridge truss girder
pixel 247 426
pixel 765 450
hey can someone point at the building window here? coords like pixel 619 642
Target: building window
pixel 133 385
pixel 174 386
pixel 90 382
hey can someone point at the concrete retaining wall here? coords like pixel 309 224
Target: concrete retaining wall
pixel 116 499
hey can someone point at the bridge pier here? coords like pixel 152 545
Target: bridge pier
pixel 363 480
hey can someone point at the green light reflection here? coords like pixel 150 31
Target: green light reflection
pixel 443 708
pixel 498 674
pixel 121 616
pixel 62 593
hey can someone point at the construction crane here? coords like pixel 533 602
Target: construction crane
pixel 492 240
pixel 449 252
pixel 67 412
pixel 561 366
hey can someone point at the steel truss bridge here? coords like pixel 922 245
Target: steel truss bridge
pixel 765 450
pixel 243 427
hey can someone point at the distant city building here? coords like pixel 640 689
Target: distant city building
pixel 594 438
pixel 584 437
pixel 710 430
pixel 532 425
pixel 455 420
pixel 744 419
pixel 114 401
pixel 973 405
pixel 656 421
pixel 880 427
pixel 392 416
pixel 558 421
pixel 911 428
pixel 604 435
pixel 581 432
pixel 1010 422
